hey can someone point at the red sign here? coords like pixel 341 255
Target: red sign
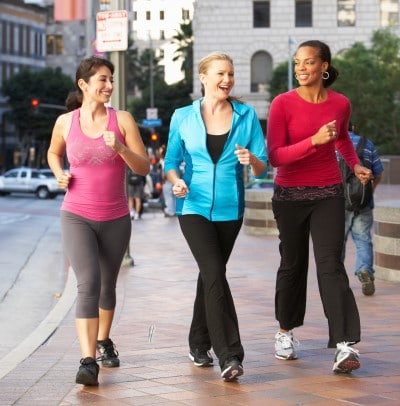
pixel 112 31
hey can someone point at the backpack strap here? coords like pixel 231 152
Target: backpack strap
pixel 362 142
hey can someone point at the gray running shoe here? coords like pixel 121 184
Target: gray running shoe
pixel 284 345
pixel 346 358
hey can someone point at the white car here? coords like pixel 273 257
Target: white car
pixel 29 180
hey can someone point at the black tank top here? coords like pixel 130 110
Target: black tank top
pixel 215 145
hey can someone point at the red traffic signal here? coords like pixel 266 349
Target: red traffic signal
pixel 154 137
pixel 35 103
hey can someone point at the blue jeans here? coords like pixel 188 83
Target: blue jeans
pixel 359 225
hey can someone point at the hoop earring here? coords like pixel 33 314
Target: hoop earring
pixel 325 75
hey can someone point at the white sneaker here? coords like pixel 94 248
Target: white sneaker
pixel 346 358
pixel 284 345
pixel 136 216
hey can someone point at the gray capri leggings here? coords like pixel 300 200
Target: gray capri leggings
pixel 95 250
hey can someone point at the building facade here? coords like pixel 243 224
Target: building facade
pixel 259 35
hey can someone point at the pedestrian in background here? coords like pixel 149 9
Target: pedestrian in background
pixel 359 223
pixel 136 185
pixel 304 127
pixel 168 195
pixel 99 142
pixel 215 137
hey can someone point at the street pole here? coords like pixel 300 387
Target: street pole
pixel 290 67
pixel 151 73
pixel 118 97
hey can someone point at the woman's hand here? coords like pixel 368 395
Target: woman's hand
pixel 180 188
pixel 327 133
pixel 63 180
pixel 363 174
pixel 112 141
pixel 244 156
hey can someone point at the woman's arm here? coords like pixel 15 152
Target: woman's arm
pixel 134 152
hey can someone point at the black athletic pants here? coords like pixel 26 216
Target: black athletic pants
pixel 324 221
pixel 214 320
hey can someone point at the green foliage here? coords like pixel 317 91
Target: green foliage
pixel 49 86
pixel 184 40
pixel 279 81
pixel 167 99
pixel 369 78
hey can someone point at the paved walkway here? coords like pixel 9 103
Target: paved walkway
pixel 155 300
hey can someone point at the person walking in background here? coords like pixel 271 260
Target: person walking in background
pixel 136 185
pixel 359 223
pixel 168 195
pixel 96 228
pixel 216 137
pixel 304 126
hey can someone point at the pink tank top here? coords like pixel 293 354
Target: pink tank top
pixel 97 188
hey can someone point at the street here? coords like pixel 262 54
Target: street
pixel 33 269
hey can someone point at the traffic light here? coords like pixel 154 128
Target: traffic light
pixel 154 138
pixel 35 104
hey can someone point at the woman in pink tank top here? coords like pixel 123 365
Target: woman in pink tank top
pixel 99 142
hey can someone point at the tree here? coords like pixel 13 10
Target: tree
pixel 48 86
pixel 34 124
pixel 279 81
pixel 369 78
pixel 183 39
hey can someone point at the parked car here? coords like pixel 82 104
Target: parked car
pixel 42 182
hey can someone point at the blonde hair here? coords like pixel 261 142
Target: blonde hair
pixel 205 63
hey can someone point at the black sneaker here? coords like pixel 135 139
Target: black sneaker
pixel 231 370
pixel 108 353
pixel 367 283
pixel 88 372
pixel 201 358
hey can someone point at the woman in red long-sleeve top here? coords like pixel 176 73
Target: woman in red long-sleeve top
pixel 305 126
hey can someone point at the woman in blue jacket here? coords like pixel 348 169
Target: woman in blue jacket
pixel 214 138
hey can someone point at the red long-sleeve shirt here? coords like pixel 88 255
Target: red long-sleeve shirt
pixel 291 123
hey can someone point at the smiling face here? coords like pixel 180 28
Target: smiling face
pixel 309 67
pixel 218 79
pixel 99 86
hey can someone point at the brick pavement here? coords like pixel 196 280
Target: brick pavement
pixel 155 300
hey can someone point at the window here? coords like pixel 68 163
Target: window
pixel 261 14
pixel 261 71
pixel 148 15
pixel 346 13
pixel 105 5
pixel 54 45
pixel 303 13
pixel 161 53
pixel 162 15
pixel 389 13
pixel 135 16
pixel 162 34
pixel 185 14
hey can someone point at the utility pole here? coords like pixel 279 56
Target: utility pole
pixel 118 58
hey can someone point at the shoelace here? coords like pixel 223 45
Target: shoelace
pixel 288 341
pixel 109 350
pixel 345 346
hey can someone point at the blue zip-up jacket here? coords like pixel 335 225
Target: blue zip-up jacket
pixel 216 191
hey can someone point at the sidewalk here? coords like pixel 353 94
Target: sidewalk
pixel 155 300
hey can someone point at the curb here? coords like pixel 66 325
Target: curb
pixel 45 329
